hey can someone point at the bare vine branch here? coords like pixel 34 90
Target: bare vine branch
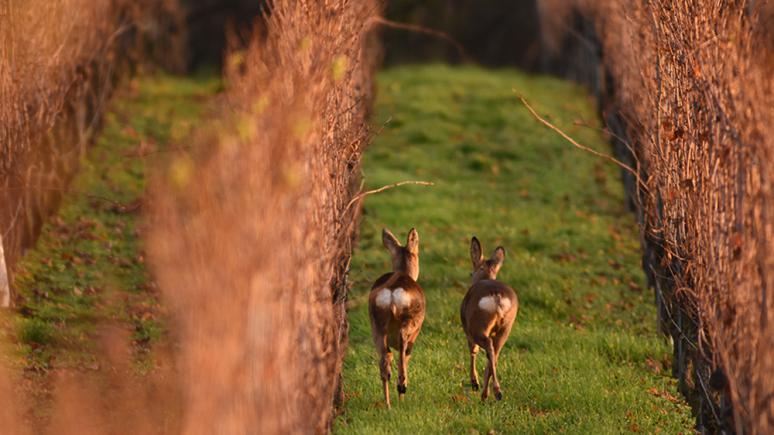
pixel 579 145
pixel 420 29
pixel 362 195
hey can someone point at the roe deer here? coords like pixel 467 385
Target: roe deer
pixel 487 313
pixel 396 307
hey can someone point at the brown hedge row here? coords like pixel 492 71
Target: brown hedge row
pixel 252 232
pixel 687 86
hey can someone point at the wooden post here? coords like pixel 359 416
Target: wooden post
pixel 5 288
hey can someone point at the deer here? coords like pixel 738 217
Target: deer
pixel 487 313
pixel 396 308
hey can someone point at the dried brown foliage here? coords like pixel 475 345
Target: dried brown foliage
pixel 112 400
pixel 689 83
pixel 59 60
pixel 252 233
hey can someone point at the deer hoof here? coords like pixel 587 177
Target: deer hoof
pixel 401 389
pixel 498 395
pixel 474 384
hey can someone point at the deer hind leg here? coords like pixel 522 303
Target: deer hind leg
pixel 487 376
pixel 403 365
pixel 385 364
pixel 406 346
pixel 486 343
pixel 473 347
pixel 498 343
pixel 491 372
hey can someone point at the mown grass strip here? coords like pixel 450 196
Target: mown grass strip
pixel 584 355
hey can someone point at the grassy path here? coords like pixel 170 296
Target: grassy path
pixel 87 272
pixel 583 356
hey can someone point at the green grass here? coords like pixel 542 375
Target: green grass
pixel 88 269
pixel 584 356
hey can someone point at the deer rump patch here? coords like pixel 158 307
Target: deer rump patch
pixel 398 297
pixel 492 304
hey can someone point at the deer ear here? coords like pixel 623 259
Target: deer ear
pixel 390 242
pixel 476 253
pixel 498 256
pixel 412 241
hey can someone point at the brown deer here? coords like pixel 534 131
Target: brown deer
pixel 487 313
pixel 396 307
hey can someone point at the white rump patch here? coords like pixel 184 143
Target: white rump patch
pixel 505 305
pixel 488 304
pixel 398 297
pixel 384 298
pixel 401 298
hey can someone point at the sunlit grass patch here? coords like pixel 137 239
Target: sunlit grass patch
pixel 584 355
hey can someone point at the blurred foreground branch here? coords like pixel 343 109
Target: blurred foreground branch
pixel 5 289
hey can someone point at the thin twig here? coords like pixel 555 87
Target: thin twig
pixel 578 145
pixel 13 220
pixel 65 190
pixel 633 153
pixel 420 29
pixel 362 195
pixel 608 130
